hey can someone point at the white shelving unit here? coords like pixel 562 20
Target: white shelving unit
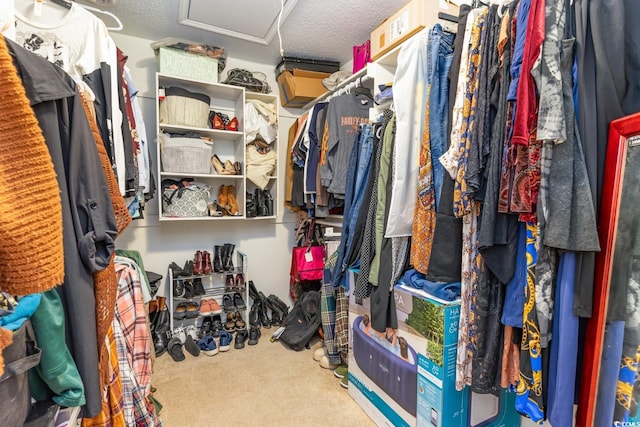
pixel 227 144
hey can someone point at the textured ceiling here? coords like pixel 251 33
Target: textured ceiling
pixel 315 29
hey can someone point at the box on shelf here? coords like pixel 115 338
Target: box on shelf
pixel 177 62
pixel 406 376
pixel 180 154
pixel 291 62
pixel 298 87
pixel 411 18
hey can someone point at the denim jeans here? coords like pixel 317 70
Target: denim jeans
pixel 439 59
pixel 357 177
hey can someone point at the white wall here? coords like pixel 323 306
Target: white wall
pixel 267 243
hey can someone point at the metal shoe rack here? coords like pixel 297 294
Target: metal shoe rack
pixel 214 286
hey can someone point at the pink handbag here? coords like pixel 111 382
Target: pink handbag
pixel 307 263
pixel 361 55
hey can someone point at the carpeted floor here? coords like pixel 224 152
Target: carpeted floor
pixel 266 385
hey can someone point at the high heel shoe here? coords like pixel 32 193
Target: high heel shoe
pixel 232 125
pixel 216 120
pixel 232 206
pixel 223 198
pixel 222 169
pixel 238 168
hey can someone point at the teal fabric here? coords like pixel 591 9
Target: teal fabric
pixel 56 377
pixel 23 311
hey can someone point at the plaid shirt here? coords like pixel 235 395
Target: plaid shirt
pixel 133 342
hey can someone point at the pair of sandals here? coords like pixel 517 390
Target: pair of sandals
pixel 186 310
pixel 235 322
pixel 183 337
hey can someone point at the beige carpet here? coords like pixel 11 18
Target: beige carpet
pixel 266 384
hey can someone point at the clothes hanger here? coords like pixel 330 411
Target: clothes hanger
pixel 119 26
pixel 63 3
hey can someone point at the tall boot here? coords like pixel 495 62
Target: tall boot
pixel 217 259
pixel 228 264
pixel 268 201
pixel 197 263
pixel 254 314
pixel 264 315
pixel 253 292
pixel 276 316
pixel 259 201
pixel 206 262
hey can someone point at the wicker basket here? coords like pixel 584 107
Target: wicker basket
pixel 185 155
pixel 183 108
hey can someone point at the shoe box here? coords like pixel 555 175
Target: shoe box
pixel 406 376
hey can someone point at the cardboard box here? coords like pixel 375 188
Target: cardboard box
pixel 299 87
pixel 418 357
pixel 178 63
pixel 411 18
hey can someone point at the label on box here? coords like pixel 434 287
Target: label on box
pixel 399 26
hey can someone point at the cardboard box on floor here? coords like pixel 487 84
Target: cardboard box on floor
pixel 299 87
pixel 420 356
pixel 411 18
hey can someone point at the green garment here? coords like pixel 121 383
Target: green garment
pixel 56 377
pixel 383 177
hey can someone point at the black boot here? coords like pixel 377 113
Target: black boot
pixel 217 259
pixel 160 334
pixel 264 316
pixel 254 313
pixel 279 305
pixel 252 209
pixel 253 292
pixel 228 262
pixel 268 201
pixel 259 201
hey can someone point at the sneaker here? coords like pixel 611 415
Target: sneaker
pixel 225 340
pixel 341 371
pixel 254 335
pixel 324 363
pixel 317 355
pixel 209 306
pixel 344 382
pixel 207 326
pixel 216 325
pixel 180 334
pixel 241 337
pixel 208 345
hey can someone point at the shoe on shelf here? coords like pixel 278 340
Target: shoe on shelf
pixel 207 267
pixel 216 120
pixel 221 168
pixel 216 325
pixel 198 287
pixel 237 167
pixel 178 288
pixel 227 303
pixel 215 209
pixel 206 309
pixel 174 348
pixel 227 264
pixel 238 301
pixel 239 282
pixel 318 354
pixel 189 291
pixel 241 337
pixel 217 259
pixel 206 327
pixel 232 125
pixel 232 206
pixel 225 340
pixel 229 168
pixel 230 324
pixel 229 283
pixel 208 345
pixel 251 208
pixel 268 201
pixel 181 311
pixel 341 371
pixel 188 268
pixel 344 382
pixel 193 310
pixel 197 263
pixel 326 364
pixel 222 198
pixel 240 323
pixel 176 271
pixel 254 335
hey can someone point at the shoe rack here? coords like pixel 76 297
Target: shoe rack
pixel 216 286
pixel 228 147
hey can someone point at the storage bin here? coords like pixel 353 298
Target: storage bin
pixel 181 107
pixel 176 62
pixel 288 63
pixel 185 155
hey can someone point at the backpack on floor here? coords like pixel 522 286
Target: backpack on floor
pixel 303 321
